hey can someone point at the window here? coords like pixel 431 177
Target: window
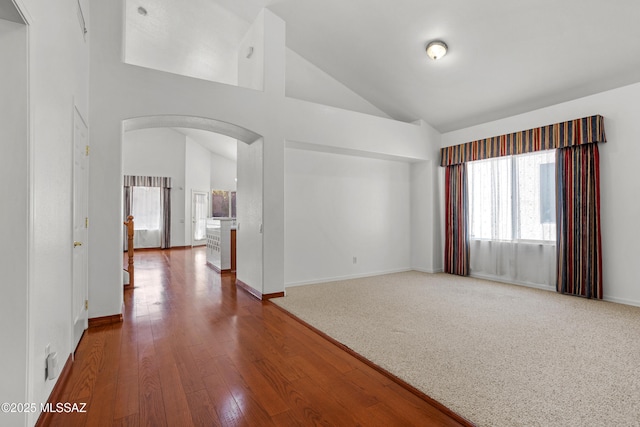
pixel 223 204
pixel 145 208
pixel 513 198
pixel 220 203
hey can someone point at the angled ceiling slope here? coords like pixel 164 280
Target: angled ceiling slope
pixel 504 57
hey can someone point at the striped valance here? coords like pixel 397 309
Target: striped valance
pixel 574 132
pixel 147 181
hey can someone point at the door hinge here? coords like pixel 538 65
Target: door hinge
pixel 86 223
pixel 86 304
pixel 87 150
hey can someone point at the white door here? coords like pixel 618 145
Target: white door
pixel 80 292
pixel 199 212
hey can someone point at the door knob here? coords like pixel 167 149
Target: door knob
pixel 77 244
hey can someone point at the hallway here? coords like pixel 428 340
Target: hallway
pixel 194 351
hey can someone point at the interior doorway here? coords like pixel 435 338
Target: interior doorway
pixel 170 144
pixel 200 213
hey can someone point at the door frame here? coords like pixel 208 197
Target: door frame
pixel 75 339
pixel 202 242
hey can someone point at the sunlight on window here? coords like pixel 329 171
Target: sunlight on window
pixel 513 198
pixel 490 188
pixel 145 208
pixel 536 196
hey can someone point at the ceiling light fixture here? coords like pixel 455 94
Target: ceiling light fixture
pixel 436 49
pixel 142 11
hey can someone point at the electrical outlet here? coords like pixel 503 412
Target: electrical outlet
pixel 355 260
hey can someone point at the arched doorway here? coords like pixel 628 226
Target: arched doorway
pixel 249 184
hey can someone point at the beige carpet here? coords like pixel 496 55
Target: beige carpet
pixel 497 354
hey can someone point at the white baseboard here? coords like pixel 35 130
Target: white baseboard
pixel 347 277
pixel 622 301
pixel 440 270
pixel 424 270
pixel 514 282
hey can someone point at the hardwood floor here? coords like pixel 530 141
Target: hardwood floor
pixel 194 351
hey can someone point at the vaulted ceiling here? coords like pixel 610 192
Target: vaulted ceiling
pixel 505 56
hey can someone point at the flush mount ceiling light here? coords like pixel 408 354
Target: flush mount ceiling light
pixel 436 49
pixel 142 11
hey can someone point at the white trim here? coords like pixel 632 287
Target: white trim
pixel 30 267
pixel 84 120
pixel 83 23
pixel 21 7
pixel 347 277
pixel 203 242
pixel 551 288
pixel 623 301
pixel 432 271
pixel 74 110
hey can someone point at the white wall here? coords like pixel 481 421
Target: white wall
pixel 127 92
pixel 14 217
pixel 338 207
pixel 58 80
pixel 338 130
pixel 249 204
pixel 306 81
pixel 197 178
pixel 619 186
pixel 204 34
pixel 223 172
pixel 251 56
pixel 161 152
pixel 425 232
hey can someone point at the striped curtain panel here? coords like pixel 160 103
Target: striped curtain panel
pixel 147 181
pixel 165 199
pixel 578 246
pixel 456 247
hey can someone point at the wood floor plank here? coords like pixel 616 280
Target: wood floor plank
pixel 195 350
pixel 73 419
pixel 226 407
pixel 174 397
pixel 129 421
pixel 84 375
pixel 203 358
pixel 126 398
pixel 381 415
pixel 248 385
pixel 317 407
pixel 100 412
pixel 203 412
pixel 150 391
pixel 190 376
